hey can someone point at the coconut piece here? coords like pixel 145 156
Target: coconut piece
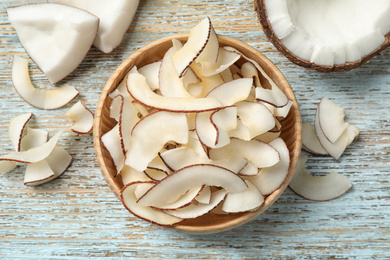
pixel 329 36
pixel 82 118
pixel 176 184
pixel 115 18
pixel 35 154
pixel 140 91
pixel 197 210
pixel 282 112
pixel 156 216
pixel 116 106
pixel 16 127
pixel 151 133
pixel 331 119
pixel 33 138
pixel 112 141
pixel 197 42
pixel 310 142
pixel 319 188
pixel 180 157
pixel 269 179
pixel 39 98
pixel 246 200
pixel 128 118
pixel 155 173
pixel 57 37
pixel 337 148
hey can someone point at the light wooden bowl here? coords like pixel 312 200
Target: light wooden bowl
pixel 209 223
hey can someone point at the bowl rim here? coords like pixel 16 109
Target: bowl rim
pixel 241 219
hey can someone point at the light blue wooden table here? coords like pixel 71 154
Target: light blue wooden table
pixel 77 216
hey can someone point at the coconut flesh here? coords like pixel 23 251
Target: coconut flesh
pixel 326 35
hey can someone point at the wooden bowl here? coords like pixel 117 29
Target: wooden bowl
pixel 209 223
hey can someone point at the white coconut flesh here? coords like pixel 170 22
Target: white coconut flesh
pixel 329 32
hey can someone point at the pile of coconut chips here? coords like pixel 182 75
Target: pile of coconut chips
pixel 197 133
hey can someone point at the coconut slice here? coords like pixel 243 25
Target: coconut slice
pixel 33 138
pixel 179 182
pixel 326 35
pixel 196 43
pixel 16 127
pixel 39 98
pixel 331 119
pixel 150 135
pixel 140 91
pixel 197 210
pixel 156 216
pixel 231 92
pixel 319 188
pixel 35 154
pixel 82 118
pixel 57 37
pixel 269 179
pixel 246 200
pixel 248 70
pixel 310 142
pixel 337 148
pixel 115 18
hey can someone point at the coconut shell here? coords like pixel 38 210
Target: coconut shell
pixel 262 15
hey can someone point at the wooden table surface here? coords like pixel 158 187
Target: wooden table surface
pixel 77 216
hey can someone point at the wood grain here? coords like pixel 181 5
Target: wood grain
pixel 77 216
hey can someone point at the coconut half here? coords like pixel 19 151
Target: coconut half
pixel 327 36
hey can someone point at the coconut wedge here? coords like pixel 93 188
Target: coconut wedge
pixel 179 182
pixel 156 216
pixel 319 188
pixel 39 98
pixel 57 37
pixel 16 127
pixel 82 118
pixel 326 36
pixel 115 18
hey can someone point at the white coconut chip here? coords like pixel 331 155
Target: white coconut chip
pixel 82 118
pixel 39 98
